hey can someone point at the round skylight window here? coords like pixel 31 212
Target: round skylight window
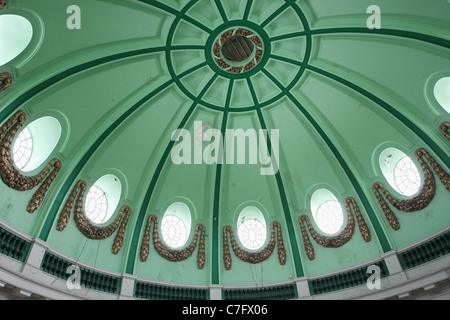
pixel 252 234
pixel 96 205
pixel 329 217
pixel 407 177
pixel 22 149
pixel 400 171
pixel 102 199
pixel 176 225
pixel 327 211
pixel 252 228
pixel 173 231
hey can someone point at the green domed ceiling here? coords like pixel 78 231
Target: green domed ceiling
pixel 338 92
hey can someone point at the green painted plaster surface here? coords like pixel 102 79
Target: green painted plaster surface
pixel 338 93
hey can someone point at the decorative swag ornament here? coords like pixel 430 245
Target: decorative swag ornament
pixel 5 78
pixel 444 127
pixel 11 176
pixel 253 257
pixel 340 239
pixel 170 254
pixel 422 199
pixel 85 226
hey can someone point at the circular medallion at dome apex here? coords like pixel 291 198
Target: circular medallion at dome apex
pixel 238 50
pixel 240 86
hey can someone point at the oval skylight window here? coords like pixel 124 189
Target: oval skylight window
pixel 22 149
pixel 327 211
pixel 400 171
pixel 252 228
pixel 35 143
pixel 16 33
pixel 442 93
pixel 176 225
pixel 102 199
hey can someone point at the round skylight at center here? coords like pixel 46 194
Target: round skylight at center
pixel 237 48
